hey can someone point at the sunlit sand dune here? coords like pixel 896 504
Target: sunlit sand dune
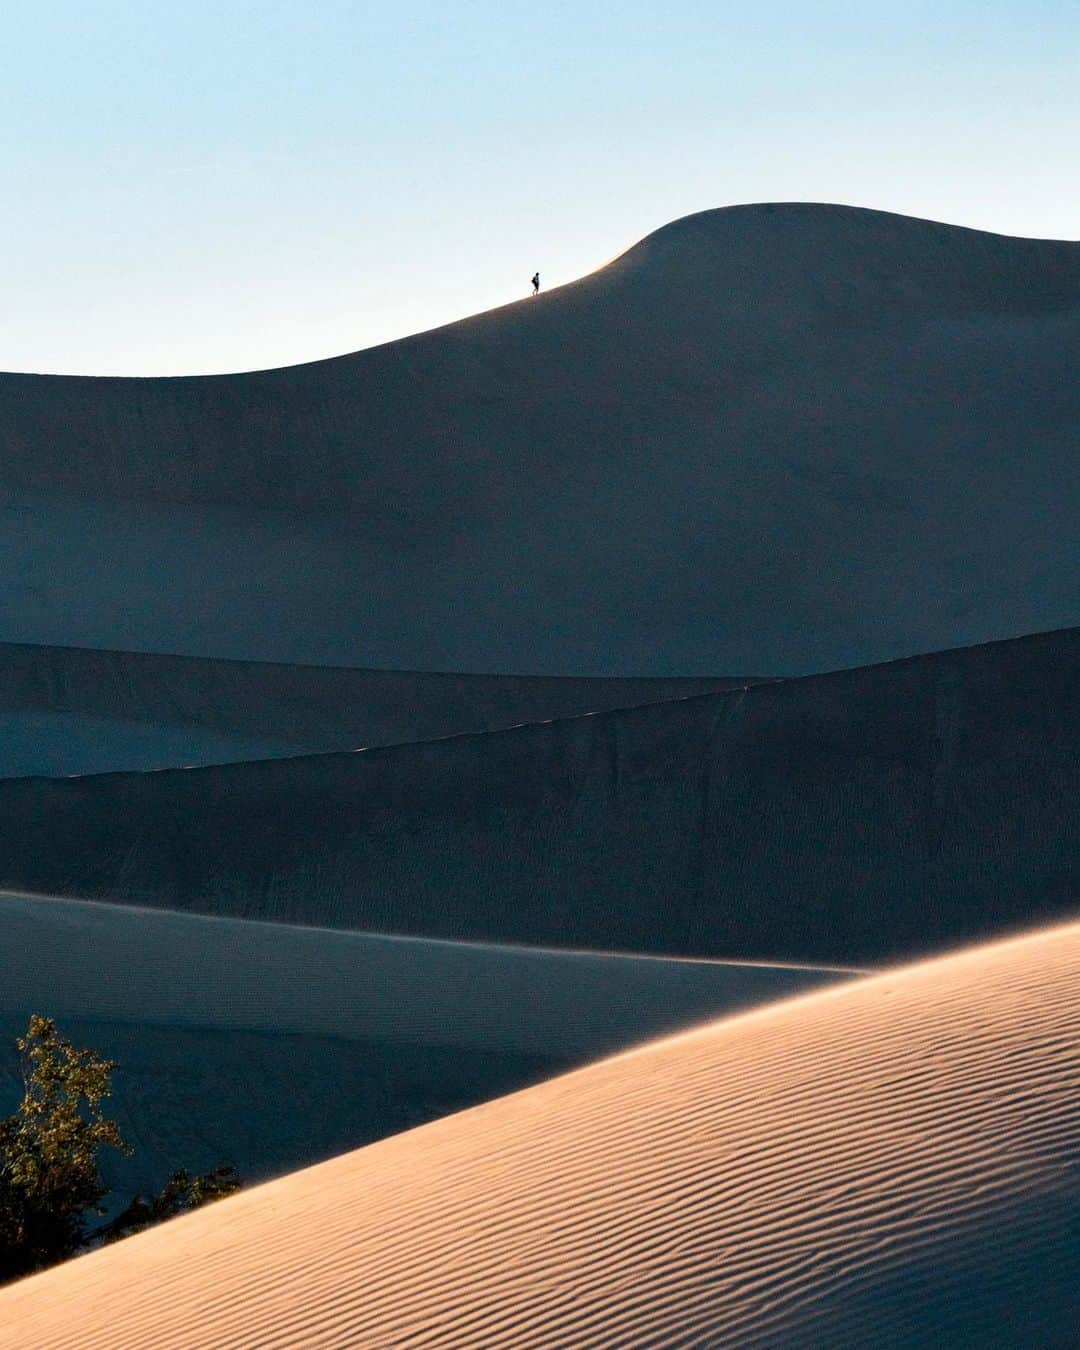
pixel 890 1162
pixel 774 439
pixel 70 710
pixel 311 893
pixel 326 1039
pixel 843 818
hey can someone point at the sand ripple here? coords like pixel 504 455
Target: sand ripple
pixel 895 1160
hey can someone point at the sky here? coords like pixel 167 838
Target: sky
pixel 229 186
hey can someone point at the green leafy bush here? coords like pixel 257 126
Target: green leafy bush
pixel 50 1184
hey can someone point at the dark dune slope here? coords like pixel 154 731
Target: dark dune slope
pixel 849 818
pixel 326 1039
pixel 66 710
pixel 774 438
pixel 291 1099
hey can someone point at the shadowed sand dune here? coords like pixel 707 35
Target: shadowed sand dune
pixel 784 439
pixel 340 1038
pixel 120 963
pixel 68 710
pixel 891 1162
pixel 195 1097
pixel 836 819
pixel 771 438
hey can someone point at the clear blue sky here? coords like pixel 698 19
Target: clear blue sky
pixel 221 186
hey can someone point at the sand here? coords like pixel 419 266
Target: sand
pixel 838 819
pixel 892 1161
pixel 325 1039
pixel 772 439
pixel 363 895
pixel 70 710
pixel 73 958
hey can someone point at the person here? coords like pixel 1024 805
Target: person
pixel 536 283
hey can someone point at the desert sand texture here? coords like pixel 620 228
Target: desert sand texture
pixel 893 1161
pixel 840 819
pixel 70 710
pixel 772 439
pixel 121 963
pixel 558 1008
pixel 274 1046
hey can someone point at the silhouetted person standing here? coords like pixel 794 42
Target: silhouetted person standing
pixel 536 283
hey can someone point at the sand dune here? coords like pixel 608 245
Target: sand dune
pixel 380 1032
pixel 119 963
pixel 891 1162
pixel 69 710
pixel 772 438
pixel 836 819
pixel 781 439
pixel 268 1102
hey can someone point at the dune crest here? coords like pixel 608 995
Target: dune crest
pixel 891 1161
pixel 849 819
pixel 327 1039
pixel 156 967
pixel 76 710
pixel 778 439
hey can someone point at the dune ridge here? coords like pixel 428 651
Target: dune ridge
pixel 71 710
pixel 780 438
pixel 894 1160
pixel 840 819
pixel 326 1039
pixel 313 893
pixel 286 437
pixel 128 964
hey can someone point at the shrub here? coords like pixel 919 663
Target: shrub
pixel 50 1183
